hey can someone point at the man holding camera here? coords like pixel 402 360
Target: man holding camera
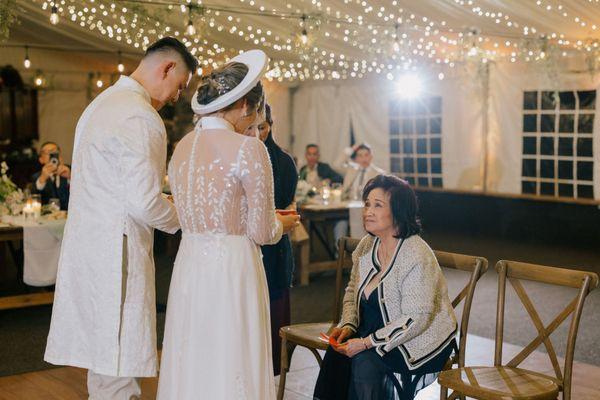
pixel 52 182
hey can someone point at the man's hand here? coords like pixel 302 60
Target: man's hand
pixel 63 171
pixel 48 171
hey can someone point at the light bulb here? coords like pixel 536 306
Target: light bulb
pixel 54 15
pixel 441 76
pixel 39 81
pixel 27 62
pixel 190 30
pixel 304 37
pixel 120 67
pixel 99 83
pixel 473 51
pixel 396 46
pixel 409 86
pixel 199 71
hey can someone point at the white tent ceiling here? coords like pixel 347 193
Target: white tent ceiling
pixel 346 38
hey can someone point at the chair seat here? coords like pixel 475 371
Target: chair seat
pixel 307 335
pixel 500 383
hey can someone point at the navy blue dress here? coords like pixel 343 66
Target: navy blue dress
pixel 368 376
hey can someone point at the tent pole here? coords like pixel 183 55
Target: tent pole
pixel 485 126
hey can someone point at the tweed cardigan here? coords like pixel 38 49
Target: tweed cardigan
pixel 413 299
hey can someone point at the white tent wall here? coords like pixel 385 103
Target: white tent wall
pixel 279 98
pixel 322 114
pixel 507 85
pixel 70 90
pixel 68 93
pixel 319 116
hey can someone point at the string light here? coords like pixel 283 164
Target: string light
pixel 304 33
pixel 39 80
pixel 120 66
pixel 361 35
pixel 190 30
pixel 54 14
pixel 26 61
pixel 99 82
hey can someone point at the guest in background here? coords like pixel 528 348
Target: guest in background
pixel 54 179
pixel 397 318
pixel 356 164
pixel 278 258
pixel 315 171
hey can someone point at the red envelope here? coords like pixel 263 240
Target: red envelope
pixel 329 340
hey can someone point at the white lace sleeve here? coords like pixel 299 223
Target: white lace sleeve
pixel 256 174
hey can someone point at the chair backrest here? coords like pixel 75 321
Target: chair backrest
pixel 476 266
pixel 346 247
pixel 514 272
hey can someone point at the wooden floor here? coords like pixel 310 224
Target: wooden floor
pixel 70 383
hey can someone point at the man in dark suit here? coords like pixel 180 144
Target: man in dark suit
pixel 314 171
pixel 53 180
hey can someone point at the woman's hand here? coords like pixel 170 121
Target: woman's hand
pixel 289 222
pixel 352 347
pixel 341 334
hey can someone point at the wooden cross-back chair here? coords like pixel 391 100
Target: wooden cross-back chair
pixel 508 381
pixel 307 335
pixel 476 266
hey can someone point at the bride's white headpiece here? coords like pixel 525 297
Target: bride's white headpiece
pixel 257 63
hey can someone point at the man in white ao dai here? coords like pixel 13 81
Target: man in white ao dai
pixel 104 316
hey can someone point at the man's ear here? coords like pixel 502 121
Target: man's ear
pixel 168 67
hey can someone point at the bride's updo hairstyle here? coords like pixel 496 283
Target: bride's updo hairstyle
pixel 224 79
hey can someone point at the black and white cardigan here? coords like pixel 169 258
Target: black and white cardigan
pixel 413 299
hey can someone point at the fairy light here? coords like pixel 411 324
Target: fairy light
pixel 120 66
pixel 190 30
pixel 26 61
pixel 360 35
pixel 54 14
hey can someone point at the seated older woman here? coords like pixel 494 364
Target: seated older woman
pixel 397 319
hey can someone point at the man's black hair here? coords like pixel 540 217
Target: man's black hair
pixel 170 43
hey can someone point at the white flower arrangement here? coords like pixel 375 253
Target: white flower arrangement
pixel 11 197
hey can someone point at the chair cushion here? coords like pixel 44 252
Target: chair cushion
pixel 500 383
pixel 307 335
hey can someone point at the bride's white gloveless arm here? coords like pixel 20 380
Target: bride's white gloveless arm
pixel 256 175
pixel 142 165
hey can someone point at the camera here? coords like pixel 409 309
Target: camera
pixel 54 158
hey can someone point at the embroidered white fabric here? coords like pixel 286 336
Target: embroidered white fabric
pixel 217 334
pixel 222 183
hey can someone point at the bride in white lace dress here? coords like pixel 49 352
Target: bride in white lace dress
pixel 217 341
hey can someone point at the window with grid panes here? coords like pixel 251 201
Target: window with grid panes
pixel 558 143
pixel 416 140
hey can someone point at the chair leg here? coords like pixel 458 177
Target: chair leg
pixel 317 356
pixel 287 350
pixel 443 392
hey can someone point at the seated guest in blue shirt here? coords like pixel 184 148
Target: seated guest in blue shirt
pixel 53 180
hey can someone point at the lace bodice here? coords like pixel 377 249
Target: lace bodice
pixel 222 182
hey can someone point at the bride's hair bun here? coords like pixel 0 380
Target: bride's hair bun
pixel 221 81
pixel 208 90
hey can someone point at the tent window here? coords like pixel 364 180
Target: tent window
pixel 557 143
pixel 415 131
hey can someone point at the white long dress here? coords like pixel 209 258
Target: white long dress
pixel 217 341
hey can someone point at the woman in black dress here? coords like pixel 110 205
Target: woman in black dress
pixel 278 258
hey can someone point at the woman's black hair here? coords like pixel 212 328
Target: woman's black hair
pixel 403 203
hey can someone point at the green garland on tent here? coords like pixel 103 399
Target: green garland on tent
pixel 8 15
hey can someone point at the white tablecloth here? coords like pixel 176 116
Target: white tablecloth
pixel 41 248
